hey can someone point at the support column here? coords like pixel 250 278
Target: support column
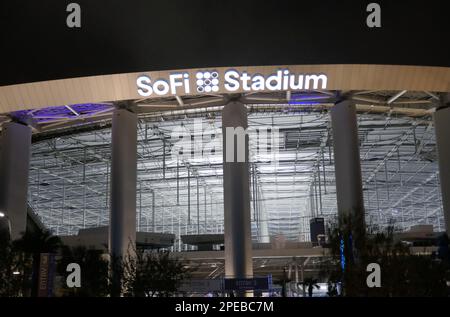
pixel 122 228
pixel 442 130
pixel 347 164
pixel 14 167
pixel 238 238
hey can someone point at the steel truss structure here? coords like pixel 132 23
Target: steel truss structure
pixel 291 183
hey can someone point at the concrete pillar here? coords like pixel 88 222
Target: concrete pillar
pixel 14 166
pixel 122 228
pixel 442 130
pixel 347 163
pixel 238 238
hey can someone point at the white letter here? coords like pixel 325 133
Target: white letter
pixel 245 78
pixel 258 82
pixel 315 79
pixel 174 83
pixel 274 78
pixel 143 82
pixel 74 278
pixel 231 82
pixel 374 18
pixel 74 18
pixel 374 278
pixel 241 137
pixel 161 87
pixel 286 79
pixel 293 85
pixel 187 89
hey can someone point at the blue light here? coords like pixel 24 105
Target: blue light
pixel 342 247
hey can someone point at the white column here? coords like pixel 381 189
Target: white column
pixel 122 228
pixel 238 238
pixel 347 162
pixel 14 167
pixel 442 130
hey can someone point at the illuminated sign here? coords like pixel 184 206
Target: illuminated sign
pixel 231 81
pixel 162 87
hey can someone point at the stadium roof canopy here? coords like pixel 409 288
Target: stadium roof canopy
pixel 69 182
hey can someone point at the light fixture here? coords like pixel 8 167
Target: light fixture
pixel 2 214
pixel 16 273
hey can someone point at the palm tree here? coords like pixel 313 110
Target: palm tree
pixel 11 263
pixel 32 244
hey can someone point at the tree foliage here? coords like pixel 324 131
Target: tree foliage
pixel 402 273
pixel 15 270
pixel 30 246
pixel 152 273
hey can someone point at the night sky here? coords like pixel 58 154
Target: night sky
pixel 144 35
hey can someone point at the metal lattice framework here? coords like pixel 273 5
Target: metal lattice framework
pixel 69 176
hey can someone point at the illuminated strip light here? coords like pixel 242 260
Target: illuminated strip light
pixel 302 99
pixel 342 249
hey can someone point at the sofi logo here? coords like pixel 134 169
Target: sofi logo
pixel 208 81
pixel 162 87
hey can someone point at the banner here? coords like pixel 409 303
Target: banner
pixel 47 267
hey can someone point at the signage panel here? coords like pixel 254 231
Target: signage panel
pixel 246 284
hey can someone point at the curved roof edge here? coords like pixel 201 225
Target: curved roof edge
pixel 117 87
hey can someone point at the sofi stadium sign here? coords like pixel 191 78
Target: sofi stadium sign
pixel 212 81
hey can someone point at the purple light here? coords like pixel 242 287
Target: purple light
pixel 60 112
pixel 307 99
pixel 304 103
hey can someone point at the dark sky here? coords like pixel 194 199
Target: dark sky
pixel 139 35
